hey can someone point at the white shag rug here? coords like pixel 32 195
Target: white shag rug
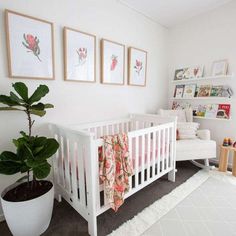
pixel 150 215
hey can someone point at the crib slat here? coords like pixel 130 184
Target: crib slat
pixel 80 169
pixel 67 164
pixel 60 163
pixel 96 162
pixel 74 186
pixel 159 152
pixel 163 148
pixel 171 147
pixel 136 161
pixel 153 153
pixel 167 147
pixel 148 156
pixel 143 159
pixel 131 158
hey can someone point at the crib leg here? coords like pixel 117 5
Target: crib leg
pixel 92 225
pixel 58 197
pixel 171 175
pixel 206 161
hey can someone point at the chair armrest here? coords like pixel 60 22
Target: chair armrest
pixel 204 134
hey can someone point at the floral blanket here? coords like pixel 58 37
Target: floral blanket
pixel 115 168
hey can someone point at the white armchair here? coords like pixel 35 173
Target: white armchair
pixel 201 148
pixel 195 149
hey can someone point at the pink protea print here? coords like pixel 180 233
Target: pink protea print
pixel 114 62
pixel 138 66
pixel 82 53
pixel 32 44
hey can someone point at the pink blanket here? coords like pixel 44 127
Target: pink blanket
pixel 115 168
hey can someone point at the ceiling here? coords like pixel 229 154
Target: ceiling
pixel 170 13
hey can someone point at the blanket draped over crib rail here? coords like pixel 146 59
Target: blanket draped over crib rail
pixel 115 167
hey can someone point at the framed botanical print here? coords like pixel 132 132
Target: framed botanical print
pixel 29 46
pixel 219 68
pixel 112 62
pixel 79 56
pixel 137 67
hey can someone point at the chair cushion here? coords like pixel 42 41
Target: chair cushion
pixel 194 149
pixel 187 130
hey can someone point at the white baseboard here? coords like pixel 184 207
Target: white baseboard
pixel 2 218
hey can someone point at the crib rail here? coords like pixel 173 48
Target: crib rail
pixel 152 154
pixel 76 166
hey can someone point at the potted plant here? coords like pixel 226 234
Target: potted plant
pixel 28 204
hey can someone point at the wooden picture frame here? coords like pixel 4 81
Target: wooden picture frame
pixel 79 56
pixel 30 46
pixel 112 62
pixel 219 68
pixel 137 72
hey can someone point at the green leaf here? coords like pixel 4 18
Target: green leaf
pixel 25 168
pixel 9 167
pixel 42 171
pixel 40 92
pixel 8 101
pixel 9 156
pixel 38 112
pixel 24 152
pixel 9 109
pixel 48 105
pixel 15 98
pixel 39 106
pixel 32 163
pixel 49 149
pixel 22 90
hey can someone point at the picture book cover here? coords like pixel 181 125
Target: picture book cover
pixel 204 91
pixel 223 111
pixel 179 74
pixel 196 91
pixel 211 110
pixel 201 110
pixel 179 90
pixel 189 90
pixel 217 91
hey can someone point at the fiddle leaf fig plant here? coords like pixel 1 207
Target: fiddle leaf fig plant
pixel 32 152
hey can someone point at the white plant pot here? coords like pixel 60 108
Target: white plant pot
pixel 28 218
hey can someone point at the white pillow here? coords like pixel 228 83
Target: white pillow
pixel 179 113
pixel 187 130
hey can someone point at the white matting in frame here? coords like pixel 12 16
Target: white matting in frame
pixel 30 46
pixel 137 67
pixel 79 55
pixel 112 62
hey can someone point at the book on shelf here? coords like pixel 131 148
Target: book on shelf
pixel 217 91
pixel 223 111
pixel 211 110
pixel 179 90
pixel 189 90
pixel 204 91
pixel 179 74
pixel 180 105
pixel 189 73
pixel 200 110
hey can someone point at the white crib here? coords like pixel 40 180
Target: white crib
pixel 152 145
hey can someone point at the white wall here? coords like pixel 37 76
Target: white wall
pixel 81 102
pixel 202 40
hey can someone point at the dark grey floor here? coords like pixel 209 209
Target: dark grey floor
pixel 67 222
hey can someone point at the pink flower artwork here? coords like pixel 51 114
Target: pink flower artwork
pixel 114 62
pixel 138 66
pixel 82 53
pixel 32 44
